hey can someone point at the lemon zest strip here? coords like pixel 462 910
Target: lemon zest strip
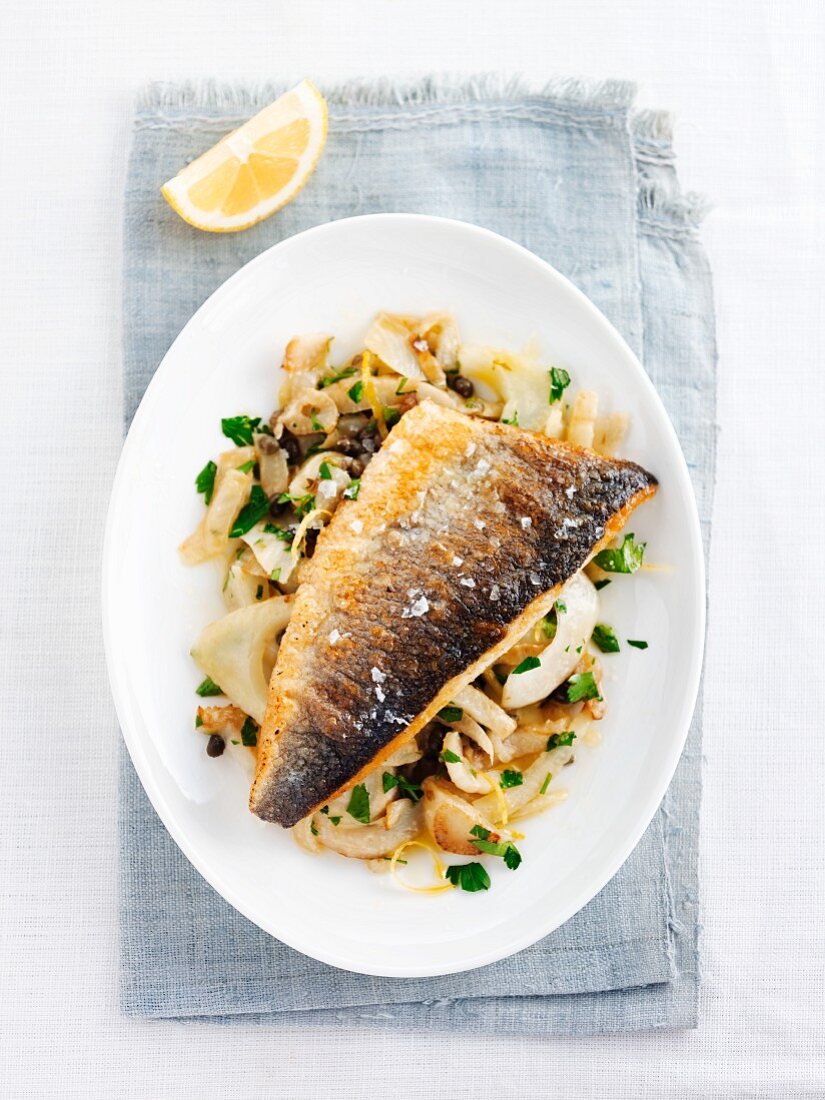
pixel 437 864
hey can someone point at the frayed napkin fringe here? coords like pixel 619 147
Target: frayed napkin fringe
pixel 658 203
pixel 444 89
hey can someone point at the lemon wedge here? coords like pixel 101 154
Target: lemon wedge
pixel 256 169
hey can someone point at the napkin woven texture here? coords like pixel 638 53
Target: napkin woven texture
pixel 572 172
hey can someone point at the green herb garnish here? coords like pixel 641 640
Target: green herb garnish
pixel 313 828
pixel 599 585
pixel 511 419
pixel 468 876
pixel 324 472
pixel 251 513
pixel 559 381
pixel 626 558
pixel 605 638
pixel 259 591
pixel 356 392
pixel 240 428
pixel 400 390
pixel 245 467
pixel 557 739
pixel 359 804
pixel 205 481
pixel 315 422
pixel 347 372
pixel 637 643
pixel 389 781
pixel 504 848
pixel 546 783
pixel 275 575
pixel 582 686
pixel 391 415
pixel 560 606
pixel 302 505
pixel 208 687
pixel 511 777
pixel 336 819
pixel 525 665
pixel 249 732
pixel 449 757
pixel 353 489
pixel 198 721
pixel 281 533
pixel 451 713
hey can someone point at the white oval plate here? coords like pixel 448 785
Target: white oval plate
pixel 333 279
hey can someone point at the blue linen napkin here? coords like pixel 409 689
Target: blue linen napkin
pixel 575 175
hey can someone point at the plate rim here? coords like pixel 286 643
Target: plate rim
pixel 118 676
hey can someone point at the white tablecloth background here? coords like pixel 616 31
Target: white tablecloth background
pixel 746 79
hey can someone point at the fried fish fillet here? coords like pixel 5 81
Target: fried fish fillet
pixel 463 532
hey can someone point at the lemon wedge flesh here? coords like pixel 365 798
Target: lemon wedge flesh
pixel 256 169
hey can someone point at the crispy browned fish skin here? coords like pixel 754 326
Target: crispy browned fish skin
pixel 507 517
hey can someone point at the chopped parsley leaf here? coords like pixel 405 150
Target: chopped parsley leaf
pixel 559 381
pixel 198 721
pixel 637 643
pixel 347 372
pixel 525 665
pixel 511 419
pixel 313 828
pixel 504 848
pixel 251 513
pixel 546 783
pixel 249 732
pixel 605 638
pixel 468 876
pixel 356 392
pixel 315 422
pixel 451 713
pixel 324 472
pixel 239 429
pixel 275 575
pixel 579 648
pixel 511 777
pixel 205 481
pixel 245 467
pixel 259 591
pixel 599 585
pixel 560 606
pixel 557 739
pixel 208 687
pixel 302 505
pixel 449 757
pixel 359 804
pixel 325 810
pixel 626 558
pixel 353 489
pixel 282 533
pixel 389 781
pixel 391 415
pixel 336 819
pixel 400 390
pixel 582 686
